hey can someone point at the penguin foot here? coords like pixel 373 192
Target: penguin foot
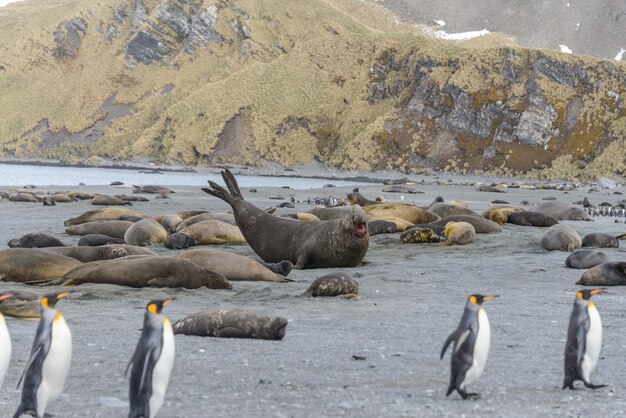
pixel 466 395
pixel 592 386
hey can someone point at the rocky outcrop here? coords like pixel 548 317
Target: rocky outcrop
pixel 68 37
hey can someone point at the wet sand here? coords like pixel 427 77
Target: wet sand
pixel 412 297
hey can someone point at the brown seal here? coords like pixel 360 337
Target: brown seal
pixel 170 222
pixel 22 304
pixel 146 271
pixel 127 198
pixel 600 240
pixel 35 240
pixel 561 237
pixel 95 240
pixel 224 217
pixel 333 284
pixel 398 188
pixel 106 200
pixel 444 209
pixel 585 259
pixel 145 232
pixel 152 189
pixel 530 218
pixel 480 224
pixel 458 233
pixel 605 274
pixel 23 197
pixel 29 265
pixel 115 229
pixel 214 232
pixel 501 215
pixel 234 267
pixel 410 213
pixel 336 243
pixel 562 211
pixel 356 198
pixel 102 214
pixel 87 254
pixel 232 323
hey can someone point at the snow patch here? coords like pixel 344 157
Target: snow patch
pixel 463 36
pixel 441 23
pixel 620 54
pixel 6 2
pixel 565 49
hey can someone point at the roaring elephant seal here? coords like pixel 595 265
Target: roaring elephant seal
pixel 106 200
pixel 145 232
pixel 605 274
pixel 146 271
pixel 87 254
pixel 458 233
pixel 333 284
pixel 232 323
pixel 530 218
pixel 95 240
pixel 29 265
pixel 600 240
pixel 102 214
pixel 561 237
pixel 444 210
pixel 413 214
pixel 480 224
pixel 562 211
pixel 585 259
pixel 22 304
pixel 214 232
pixel 328 214
pixel 35 240
pixel 336 243
pixel 116 229
pixel 233 266
pixel 419 236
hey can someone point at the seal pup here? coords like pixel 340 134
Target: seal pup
pixel 50 358
pixel 471 338
pixel 35 240
pixel 333 284
pixel 179 241
pixel 458 233
pixel 585 259
pixel 22 304
pixel 584 340
pixel 501 215
pixel 5 341
pixel 419 236
pixel 336 243
pixel 605 274
pixel 381 227
pixel 600 240
pixel 561 237
pixel 232 323
pixel 151 363
pixel 145 232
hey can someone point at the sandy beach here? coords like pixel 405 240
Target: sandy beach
pixel 412 297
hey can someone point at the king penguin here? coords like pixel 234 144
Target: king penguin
pixel 50 358
pixel 471 346
pixel 5 342
pixel 584 339
pixel 152 362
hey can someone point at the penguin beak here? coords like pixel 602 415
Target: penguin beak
pixel 64 295
pixel 5 296
pixel 489 297
pixel 597 291
pixel 167 301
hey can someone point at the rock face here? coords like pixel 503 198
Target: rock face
pixel 68 37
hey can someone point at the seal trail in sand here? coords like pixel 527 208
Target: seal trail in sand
pixel 335 243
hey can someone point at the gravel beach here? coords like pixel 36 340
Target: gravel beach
pixel 412 297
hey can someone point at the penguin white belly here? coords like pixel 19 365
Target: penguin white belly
pixel 481 350
pixel 5 349
pixel 55 366
pixel 162 369
pixel 593 343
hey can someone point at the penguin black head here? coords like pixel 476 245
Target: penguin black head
pixel 588 293
pixel 50 300
pixel 479 299
pixel 156 306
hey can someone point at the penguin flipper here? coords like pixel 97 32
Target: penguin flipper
pixel 144 370
pixel 32 358
pixel 449 340
pixel 581 338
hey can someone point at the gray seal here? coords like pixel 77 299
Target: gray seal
pixel 232 323
pixel 35 240
pixel 333 284
pixel 561 237
pixel 605 274
pixel 95 240
pixel 585 259
pixel 530 218
pixel 600 240
pixel 562 211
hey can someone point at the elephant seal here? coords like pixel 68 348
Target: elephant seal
pixel 489 188
pixel 480 224
pixel 458 233
pixel 105 200
pixel 501 215
pixel 127 198
pixel 487 212
pixel 530 218
pixel 436 228
pixel 146 271
pixel 22 304
pixel 30 265
pixel 152 189
pixel 234 267
pixel 419 236
pixel 302 216
pixel 232 323
pixel 400 224
pixel 35 240
pixel 87 254
pixel 400 189
pixel 102 214
pixel 333 284
pixel 585 259
pixel 356 198
pixel 23 197
pixel 562 211
pixel 328 214
pixel 179 241
pixel 336 243
pixel 170 222
pixel 116 229
pixel 145 232
pixel 224 217
pixel 412 214
pixel 80 196
pixel 605 274
pixel 214 232
pixel 381 227
pixel 95 240
pixel 444 210
pixel 283 268
pixel 561 237
pixel 49 201
pixel 600 240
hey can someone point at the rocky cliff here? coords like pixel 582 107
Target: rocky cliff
pixel 287 81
